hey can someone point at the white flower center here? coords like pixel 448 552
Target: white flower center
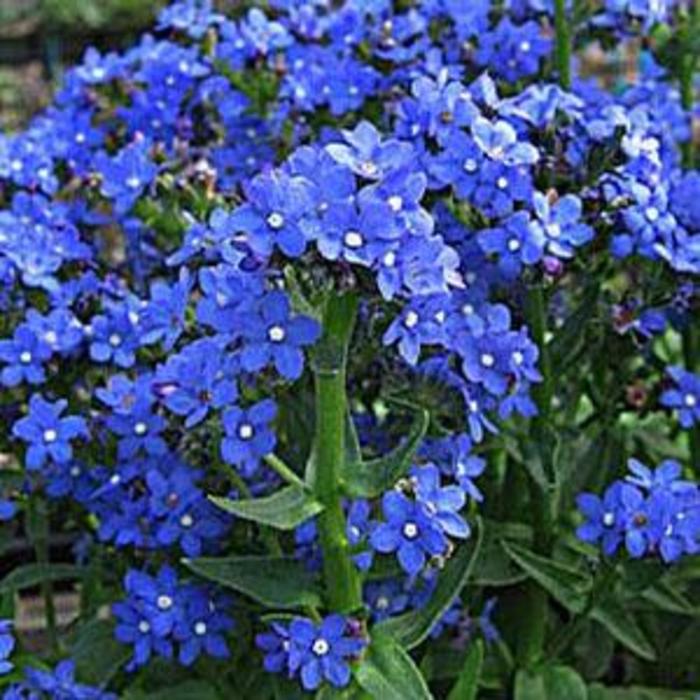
pixel 518 357
pixel 275 220
pixel 488 360
pixel 164 602
pixel 133 182
pixel 186 520
pixel 382 603
pixel 652 214
pixel 368 168
pixel 114 480
pixel 115 340
pixel 410 531
pixel 353 239
pixel 75 471
pixel 321 647
pixel 690 401
pixel 200 628
pixel 513 245
pixel 525 46
pixel 502 183
pixel 50 337
pixel 245 431
pixel 470 165
pixel 553 230
pixel 467 309
pixel 26 357
pixel 390 259
pixel 608 519
pixel 140 428
pixel 276 334
pixel 411 319
pixel 395 202
pixel 144 627
pixel 50 435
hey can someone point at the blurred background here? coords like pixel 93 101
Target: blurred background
pixel 39 37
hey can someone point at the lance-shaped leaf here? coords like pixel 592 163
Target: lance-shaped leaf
pixel 388 672
pixel 622 626
pixel 467 684
pixel 565 584
pixel 553 682
pixel 283 510
pixel 370 479
pixel 279 582
pixel 30 575
pixel 410 629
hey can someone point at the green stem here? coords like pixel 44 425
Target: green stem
pixel 563 44
pixel 342 583
pixel 691 355
pixel 688 65
pixel 276 464
pixel 38 531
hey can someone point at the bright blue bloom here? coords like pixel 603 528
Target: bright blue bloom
pixel 500 142
pixel 48 435
pixel 139 431
pixel 271 216
pixel 561 224
pixel 275 644
pixel 368 155
pixel 273 336
pixel 248 435
pixel 8 509
pixel 201 377
pixel 684 397
pixel 357 529
pixel 443 502
pixel 7 644
pixel 513 51
pixel 411 530
pixel 59 684
pixel 321 652
pixel 24 357
pixel 163 318
pixel 114 337
pixel 516 242
pixel 127 175
pixel 262 34
pixel 385 598
pixel 603 518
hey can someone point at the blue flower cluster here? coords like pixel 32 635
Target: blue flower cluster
pixel 653 512
pixel 170 229
pixel 160 615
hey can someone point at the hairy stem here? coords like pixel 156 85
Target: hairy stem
pixel 342 583
pixel 563 44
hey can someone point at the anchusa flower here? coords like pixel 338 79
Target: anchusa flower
pixel 7 644
pixel 684 396
pixel 316 653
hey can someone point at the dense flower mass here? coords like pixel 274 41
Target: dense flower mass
pixel 344 306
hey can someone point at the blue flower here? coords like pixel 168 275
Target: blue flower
pixel 248 434
pixel 684 396
pixel 8 509
pixel 7 644
pixel 272 214
pixel 367 155
pixel 201 377
pixel 321 652
pixel 516 242
pixel 126 175
pixel 410 530
pixel 58 684
pixel 561 224
pixel 385 598
pixel 275 644
pixel 114 337
pixel 499 141
pixel 139 430
pixel 443 502
pixel 48 435
pixel 273 336
pixel 163 318
pixel 24 357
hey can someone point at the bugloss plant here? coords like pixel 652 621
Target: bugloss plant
pixel 328 333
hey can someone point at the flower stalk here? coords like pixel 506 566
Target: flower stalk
pixel 563 44
pixel 342 583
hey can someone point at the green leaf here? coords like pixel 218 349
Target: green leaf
pixel 97 654
pixel 622 625
pixel 284 510
pixel 664 596
pixel 280 582
pixel 372 478
pixel 388 672
pixel 467 684
pixel 189 690
pixel 565 584
pixel 600 692
pixel 30 575
pixel 494 567
pixel 550 683
pixel 410 629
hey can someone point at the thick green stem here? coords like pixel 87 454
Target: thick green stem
pixel 563 44
pixel 342 583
